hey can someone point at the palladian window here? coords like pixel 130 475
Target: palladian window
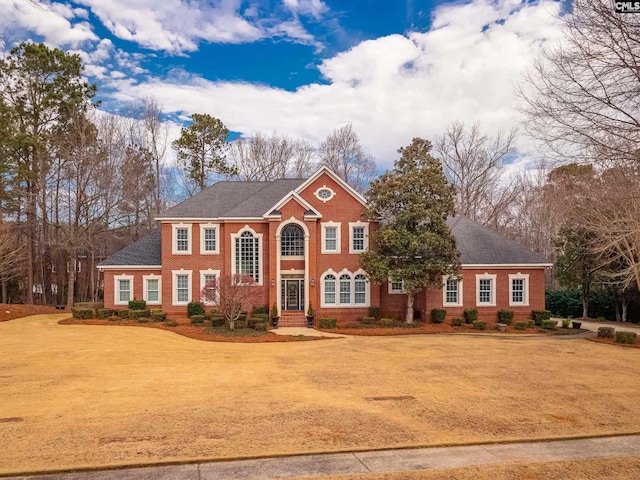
pixel 292 241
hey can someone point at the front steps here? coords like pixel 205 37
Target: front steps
pixel 292 319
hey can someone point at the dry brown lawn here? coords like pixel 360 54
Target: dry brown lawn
pixel 596 469
pixel 74 396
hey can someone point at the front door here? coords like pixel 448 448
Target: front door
pixel 292 291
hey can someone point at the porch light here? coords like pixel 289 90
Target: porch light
pixel 273 282
pixel 313 282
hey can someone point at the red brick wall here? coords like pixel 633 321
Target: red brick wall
pixel 110 285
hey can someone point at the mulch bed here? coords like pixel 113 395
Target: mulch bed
pixel 611 341
pixel 420 328
pixel 197 332
pixel 10 311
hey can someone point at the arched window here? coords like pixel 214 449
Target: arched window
pixel 292 241
pixel 345 289
pixel 329 289
pixel 360 289
pixel 248 255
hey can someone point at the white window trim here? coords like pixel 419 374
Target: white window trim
pixel 444 292
pixel 364 225
pixel 174 286
pixel 391 291
pixel 208 226
pixel 324 200
pixel 525 293
pixel 145 295
pixel 337 225
pixel 174 239
pixel 116 284
pixel 259 236
pixel 486 276
pixel 202 284
pixel 352 291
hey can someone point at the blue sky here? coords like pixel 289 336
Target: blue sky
pixel 393 69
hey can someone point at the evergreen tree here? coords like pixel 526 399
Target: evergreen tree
pixel 413 243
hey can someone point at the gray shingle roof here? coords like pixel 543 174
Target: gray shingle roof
pixel 234 199
pixel 146 251
pixel 479 245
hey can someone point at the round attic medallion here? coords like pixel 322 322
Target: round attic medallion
pixel 324 193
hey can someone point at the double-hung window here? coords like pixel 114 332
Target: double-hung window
pixel 486 290
pixel 330 237
pixel 153 290
pixel 519 289
pixel 330 289
pixel 182 288
pixel 124 290
pixel 358 237
pixel 452 292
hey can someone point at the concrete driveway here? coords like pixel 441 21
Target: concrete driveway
pixel 619 326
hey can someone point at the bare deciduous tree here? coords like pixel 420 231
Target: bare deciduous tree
pixel 13 256
pixel 343 153
pixel 472 162
pixel 233 293
pixel 582 98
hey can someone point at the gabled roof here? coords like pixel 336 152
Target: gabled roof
pixel 336 178
pixel 144 252
pixel 233 200
pixel 480 245
pixel 275 210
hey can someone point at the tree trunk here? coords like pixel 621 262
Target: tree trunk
pixel 625 304
pixel 3 284
pixel 409 313
pixel 585 306
pixel 71 282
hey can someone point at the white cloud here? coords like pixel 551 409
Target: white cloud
pixel 54 22
pixel 392 88
pixel 314 8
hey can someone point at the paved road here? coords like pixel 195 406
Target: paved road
pixel 385 461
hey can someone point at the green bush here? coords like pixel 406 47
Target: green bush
pixel 505 316
pixel 260 327
pixel 155 310
pixel 626 337
pixel 549 324
pixel 104 313
pixel 374 312
pixel 457 322
pixel 123 314
pixel 328 323
pixel 143 320
pixel 606 332
pixel 136 314
pixel 137 304
pixel 387 322
pixel 95 306
pixel 171 323
pixel 82 313
pixel 478 325
pixel 531 324
pixel 195 308
pixel 470 315
pixel 258 320
pixel 260 316
pixel 217 320
pixel 197 319
pixel 113 318
pixel 263 310
pixel 566 322
pixel 158 317
pixel 368 320
pixel 538 316
pixel 568 303
pixel 521 325
pixel 438 315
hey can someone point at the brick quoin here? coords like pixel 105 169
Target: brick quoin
pixel 342 208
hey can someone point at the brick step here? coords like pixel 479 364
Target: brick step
pixel 292 322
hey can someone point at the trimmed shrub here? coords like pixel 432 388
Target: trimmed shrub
pixel 505 316
pixel 260 317
pixel 368 320
pixel 538 316
pixel 136 314
pixel 531 324
pixel 143 320
pixel 82 313
pixel 90 305
pixel 171 323
pixel 155 310
pixel 328 323
pixel 387 322
pixel 606 332
pixel 470 315
pixel 137 304
pixel 195 308
pixel 626 337
pixel 549 324
pixel 158 317
pixel 263 310
pixel 217 320
pixel 258 320
pixel 104 313
pixel 113 318
pixel 197 319
pixel 374 312
pixel 566 322
pixel 438 315
pixel 478 325
pixel 457 322
pixel 123 314
pixel 260 327
pixel 521 325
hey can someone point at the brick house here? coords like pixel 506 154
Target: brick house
pixel 300 241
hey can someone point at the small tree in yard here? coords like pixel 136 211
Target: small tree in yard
pixel 233 293
pixel 413 243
